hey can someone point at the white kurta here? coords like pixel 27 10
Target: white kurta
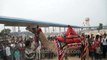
pixel 8 52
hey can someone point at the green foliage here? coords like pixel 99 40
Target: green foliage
pixel 5 32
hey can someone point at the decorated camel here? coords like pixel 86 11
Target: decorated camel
pixel 60 44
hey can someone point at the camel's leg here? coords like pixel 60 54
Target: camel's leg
pixel 66 56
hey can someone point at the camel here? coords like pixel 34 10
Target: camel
pixel 53 46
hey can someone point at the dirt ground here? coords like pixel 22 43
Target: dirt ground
pixel 70 58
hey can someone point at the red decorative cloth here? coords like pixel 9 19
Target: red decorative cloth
pixel 70 30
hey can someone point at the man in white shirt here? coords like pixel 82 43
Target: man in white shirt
pixel 8 52
pixel 104 45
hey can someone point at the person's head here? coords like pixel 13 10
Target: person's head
pixel 97 37
pixel 100 36
pixel 7 44
pixel 27 43
pixel 83 34
pixel 88 36
pixel 105 35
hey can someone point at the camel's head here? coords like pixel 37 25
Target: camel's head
pixel 34 29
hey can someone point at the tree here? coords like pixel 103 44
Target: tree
pixel 5 31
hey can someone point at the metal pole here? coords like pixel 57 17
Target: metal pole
pixel 48 30
pixel 53 29
pixel 64 29
pixel 18 29
pixel 4 33
pixel 45 29
pixel 59 29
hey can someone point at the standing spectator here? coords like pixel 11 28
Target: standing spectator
pixel 97 40
pixel 29 53
pixel 104 45
pixel 17 54
pixel 92 51
pixel 98 52
pixel 83 44
pixel 8 52
pixel 3 51
pixel 92 38
pixel 89 40
pixel 21 49
pixel 38 50
pixel 12 50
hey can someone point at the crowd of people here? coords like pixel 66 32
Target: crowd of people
pixel 97 45
pixel 12 48
pixel 19 48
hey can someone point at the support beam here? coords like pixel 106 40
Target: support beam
pixel 19 29
pixel 59 29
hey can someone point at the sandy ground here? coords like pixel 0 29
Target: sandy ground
pixel 70 58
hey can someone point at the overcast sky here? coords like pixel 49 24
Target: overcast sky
pixel 71 12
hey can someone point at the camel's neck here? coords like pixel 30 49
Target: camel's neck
pixel 46 43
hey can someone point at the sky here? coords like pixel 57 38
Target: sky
pixel 71 12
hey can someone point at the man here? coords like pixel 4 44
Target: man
pixel 104 45
pixel 1 49
pixel 8 52
pixel 29 53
